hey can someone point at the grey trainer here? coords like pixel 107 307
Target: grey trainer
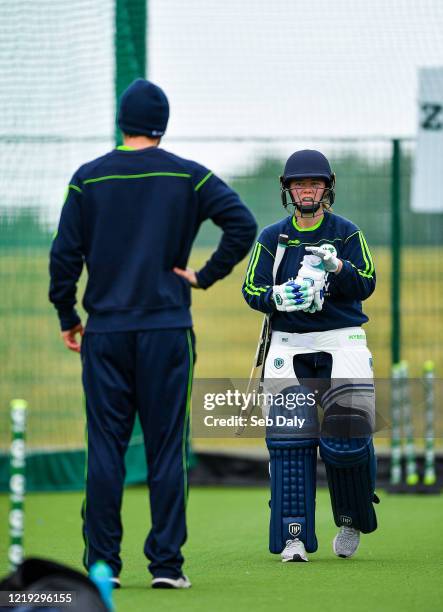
pixel 346 542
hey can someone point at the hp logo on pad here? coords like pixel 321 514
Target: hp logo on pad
pixel 294 529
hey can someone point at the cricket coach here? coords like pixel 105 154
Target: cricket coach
pixel 131 216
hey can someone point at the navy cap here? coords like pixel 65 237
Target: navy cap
pixel 143 109
pixel 307 164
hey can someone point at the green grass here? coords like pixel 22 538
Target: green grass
pixel 399 567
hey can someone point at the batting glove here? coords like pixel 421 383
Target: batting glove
pixel 313 272
pixel 328 255
pixel 292 296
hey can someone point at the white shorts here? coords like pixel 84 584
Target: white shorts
pixel 351 375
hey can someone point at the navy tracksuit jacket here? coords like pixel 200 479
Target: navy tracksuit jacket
pixel 131 216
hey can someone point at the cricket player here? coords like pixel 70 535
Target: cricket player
pixel 131 217
pixel 318 347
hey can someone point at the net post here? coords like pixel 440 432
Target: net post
pixel 17 481
pixel 396 240
pixel 408 427
pixel 129 46
pixel 429 475
pixel 396 448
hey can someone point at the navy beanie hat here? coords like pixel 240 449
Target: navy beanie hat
pixel 143 109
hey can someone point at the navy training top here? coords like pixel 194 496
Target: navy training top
pixel 131 216
pixel 344 292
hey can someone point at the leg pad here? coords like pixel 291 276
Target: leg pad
pixel 351 468
pixel 293 469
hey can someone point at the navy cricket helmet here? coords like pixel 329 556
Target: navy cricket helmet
pixel 308 164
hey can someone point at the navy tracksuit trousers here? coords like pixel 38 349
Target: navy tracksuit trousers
pixel 148 372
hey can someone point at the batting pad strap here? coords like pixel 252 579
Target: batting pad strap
pixel 351 469
pixel 350 391
pixel 293 466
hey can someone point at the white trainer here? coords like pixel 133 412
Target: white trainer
pixel 346 542
pixel 171 583
pixel 294 551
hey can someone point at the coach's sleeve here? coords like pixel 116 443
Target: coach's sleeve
pixel 356 280
pixel 66 258
pixel 220 203
pixel 257 286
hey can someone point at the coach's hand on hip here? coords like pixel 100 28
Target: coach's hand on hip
pixel 188 274
pixel 69 338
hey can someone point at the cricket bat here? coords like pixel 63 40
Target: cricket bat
pixel 256 376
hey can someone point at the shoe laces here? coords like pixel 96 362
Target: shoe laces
pixel 293 542
pixel 349 531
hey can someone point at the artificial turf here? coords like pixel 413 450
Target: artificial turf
pixel 399 567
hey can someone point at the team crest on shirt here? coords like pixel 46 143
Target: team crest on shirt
pixel 279 362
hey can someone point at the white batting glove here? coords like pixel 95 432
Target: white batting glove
pixel 312 271
pixel 292 296
pixel 328 254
